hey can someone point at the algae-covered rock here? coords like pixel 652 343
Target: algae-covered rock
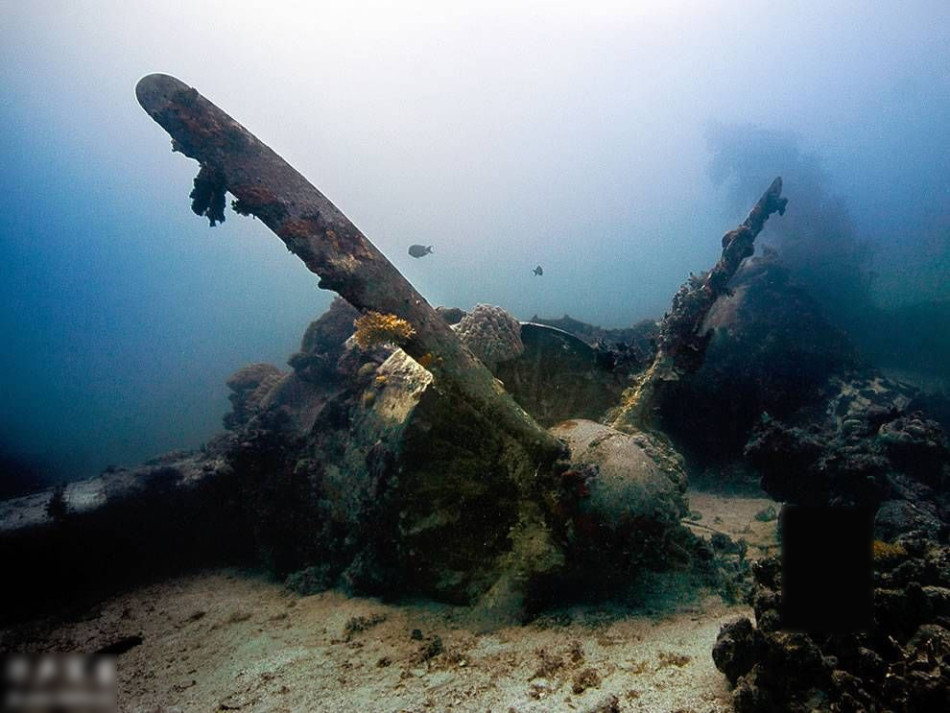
pixel 462 508
pixel 249 386
pixel 625 483
pixel 734 652
pixel 322 342
pixel 900 662
pixel 416 490
pixel 771 350
pixel 615 512
pixel 394 486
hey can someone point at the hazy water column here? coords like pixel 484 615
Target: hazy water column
pixel 569 135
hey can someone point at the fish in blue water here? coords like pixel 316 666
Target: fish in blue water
pixel 538 271
pixel 420 250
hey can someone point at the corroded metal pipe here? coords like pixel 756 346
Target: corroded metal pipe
pixel 682 341
pixel 234 160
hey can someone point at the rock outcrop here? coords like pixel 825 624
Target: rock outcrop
pixel 902 662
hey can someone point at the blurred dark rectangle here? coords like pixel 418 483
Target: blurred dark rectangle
pixel 827 580
pixel 58 683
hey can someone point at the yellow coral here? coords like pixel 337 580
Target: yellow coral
pixel 884 551
pixel 428 360
pixel 373 329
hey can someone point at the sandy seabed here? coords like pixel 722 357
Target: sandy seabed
pixel 230 640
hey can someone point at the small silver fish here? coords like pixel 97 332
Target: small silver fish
pixel 538 271
pixel 420 250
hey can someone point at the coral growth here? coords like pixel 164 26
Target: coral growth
pixel 862 447
pixel 249 386
pixel 207 197
pixel 587 678
pixel 863 450
pixel 491 333
pixel 772 351
pixel 374 329
pixel 886 551
pixel 359 624
pixel 900 663
pixel 258 202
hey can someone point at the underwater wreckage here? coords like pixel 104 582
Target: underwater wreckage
pixel 398 463
pixel 394 461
